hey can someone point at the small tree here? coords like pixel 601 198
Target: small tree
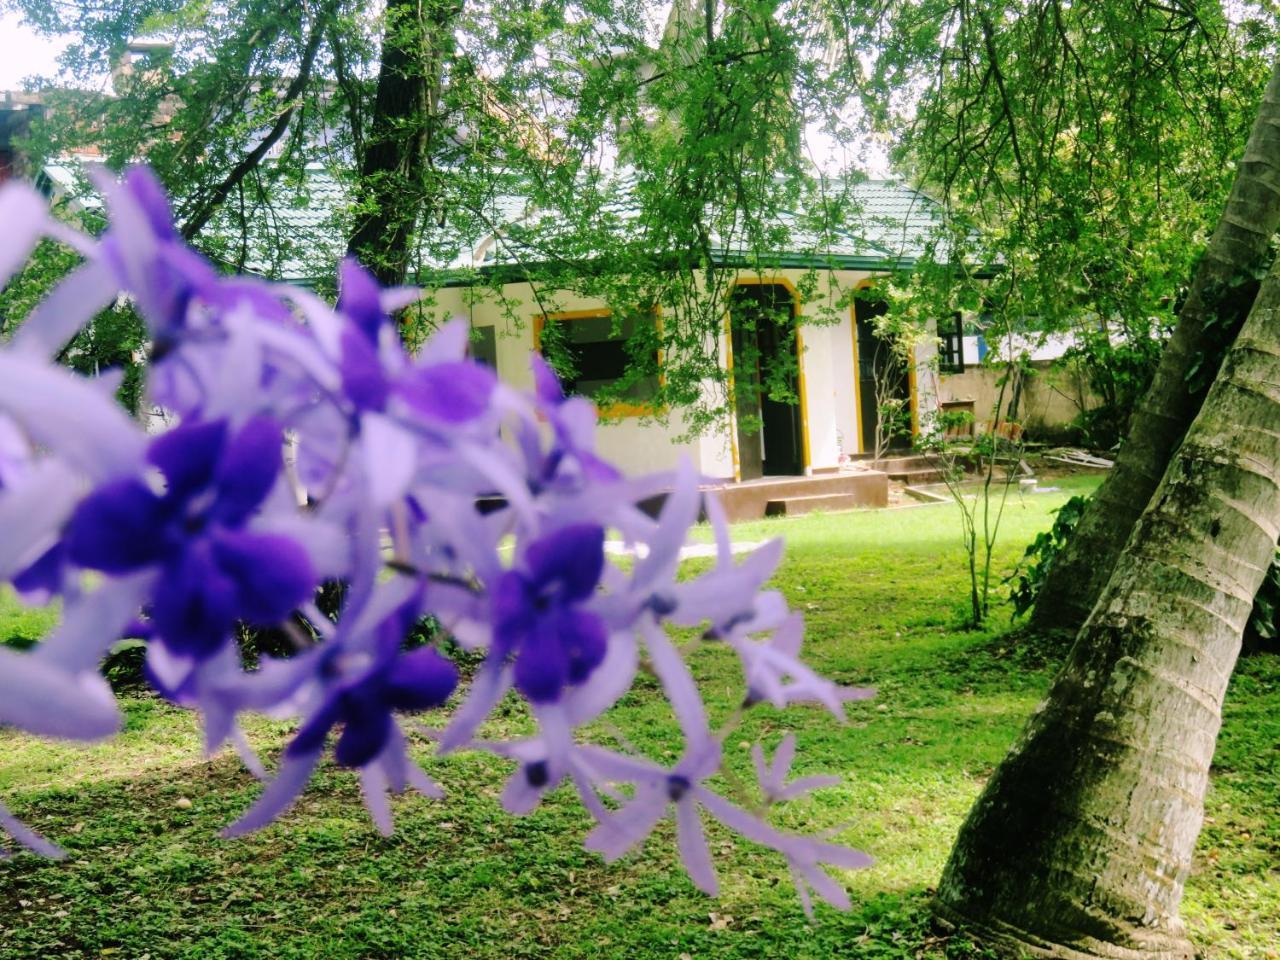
pixel 893 410
pixel 995 454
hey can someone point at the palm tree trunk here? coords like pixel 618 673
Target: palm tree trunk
pixel 1082 840
pixel 1218 301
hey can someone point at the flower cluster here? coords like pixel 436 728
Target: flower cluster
pixel 307 448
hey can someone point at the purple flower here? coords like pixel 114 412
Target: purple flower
pixel 197 529
pixel 773 777
pixel 539 616
pixel 212 570
pixel 363 704
pixel 775 673
pixel 38 696
pixel 571 463
pixel 360 684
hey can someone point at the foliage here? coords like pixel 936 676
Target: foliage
pixel 1119 374
pixel 1029 576
pixel 1083 151
pixel 1262 632
pixel 651 171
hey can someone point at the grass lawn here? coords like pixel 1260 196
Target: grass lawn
pixel 883 594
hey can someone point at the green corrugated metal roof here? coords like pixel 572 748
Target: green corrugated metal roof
pixel 886 225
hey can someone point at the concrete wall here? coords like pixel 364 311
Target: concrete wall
pixel 1051 397
pixel 829 401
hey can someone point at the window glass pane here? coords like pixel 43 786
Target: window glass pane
pixel 601 348
pixel 951 345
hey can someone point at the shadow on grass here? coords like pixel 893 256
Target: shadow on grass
pixel 146 875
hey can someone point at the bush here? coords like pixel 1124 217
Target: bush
pixel 1029 576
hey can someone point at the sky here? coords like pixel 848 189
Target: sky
pixel 23 52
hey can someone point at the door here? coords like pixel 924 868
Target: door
pixel 883 384
pixel 766 367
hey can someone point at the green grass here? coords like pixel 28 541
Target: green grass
pixel 883 594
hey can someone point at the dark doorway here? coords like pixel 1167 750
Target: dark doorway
pixel 882 380
pixel 766 376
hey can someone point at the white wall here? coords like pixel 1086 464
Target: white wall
pixel 636 446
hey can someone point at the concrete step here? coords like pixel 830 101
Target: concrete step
pixel 822 502
pixel 747 501
pixel 892 464
pixel 915 476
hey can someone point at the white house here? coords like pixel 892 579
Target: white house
pixel 835 418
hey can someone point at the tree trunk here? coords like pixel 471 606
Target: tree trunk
pixel 402 128
pixel 1082 840
pixel 1219 299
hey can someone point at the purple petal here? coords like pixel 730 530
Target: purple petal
pixel 273 575
pixel 823 885
pixel 420 680
pixel 584 640
pixel 149 194
pixel 391 458
pixel 42 580
pixel 419 780
pixel 541 665
pixel 33 512
pixel 694 853
pixel 312 734
pixel 572 556
pixel 608 683
pixel 783 757
pixel 490 685
pixel 27 837
pixel 512 608
pixel 545 382
pixel 447 344
pixel 248 470
pixel 295 771
pixel 327 544
pixel 679 513
pixel 40 698
pixel 373 790
pixel 450 392
pixel 24 214
pixel 69 415
pixel 92 621
pixel 188 455
pixel 364 380
pixel 764 776
pixel 395 299
pixel 678 684
pixel 195 606
pixel 66 309
pixel 118 528
pixel 803 785
pixel 620 832
pixel 359 297
pixel 519 796
pixel 365 732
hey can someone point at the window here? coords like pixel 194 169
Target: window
pixel 951 345
pixel 600 354
pixel 483 346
